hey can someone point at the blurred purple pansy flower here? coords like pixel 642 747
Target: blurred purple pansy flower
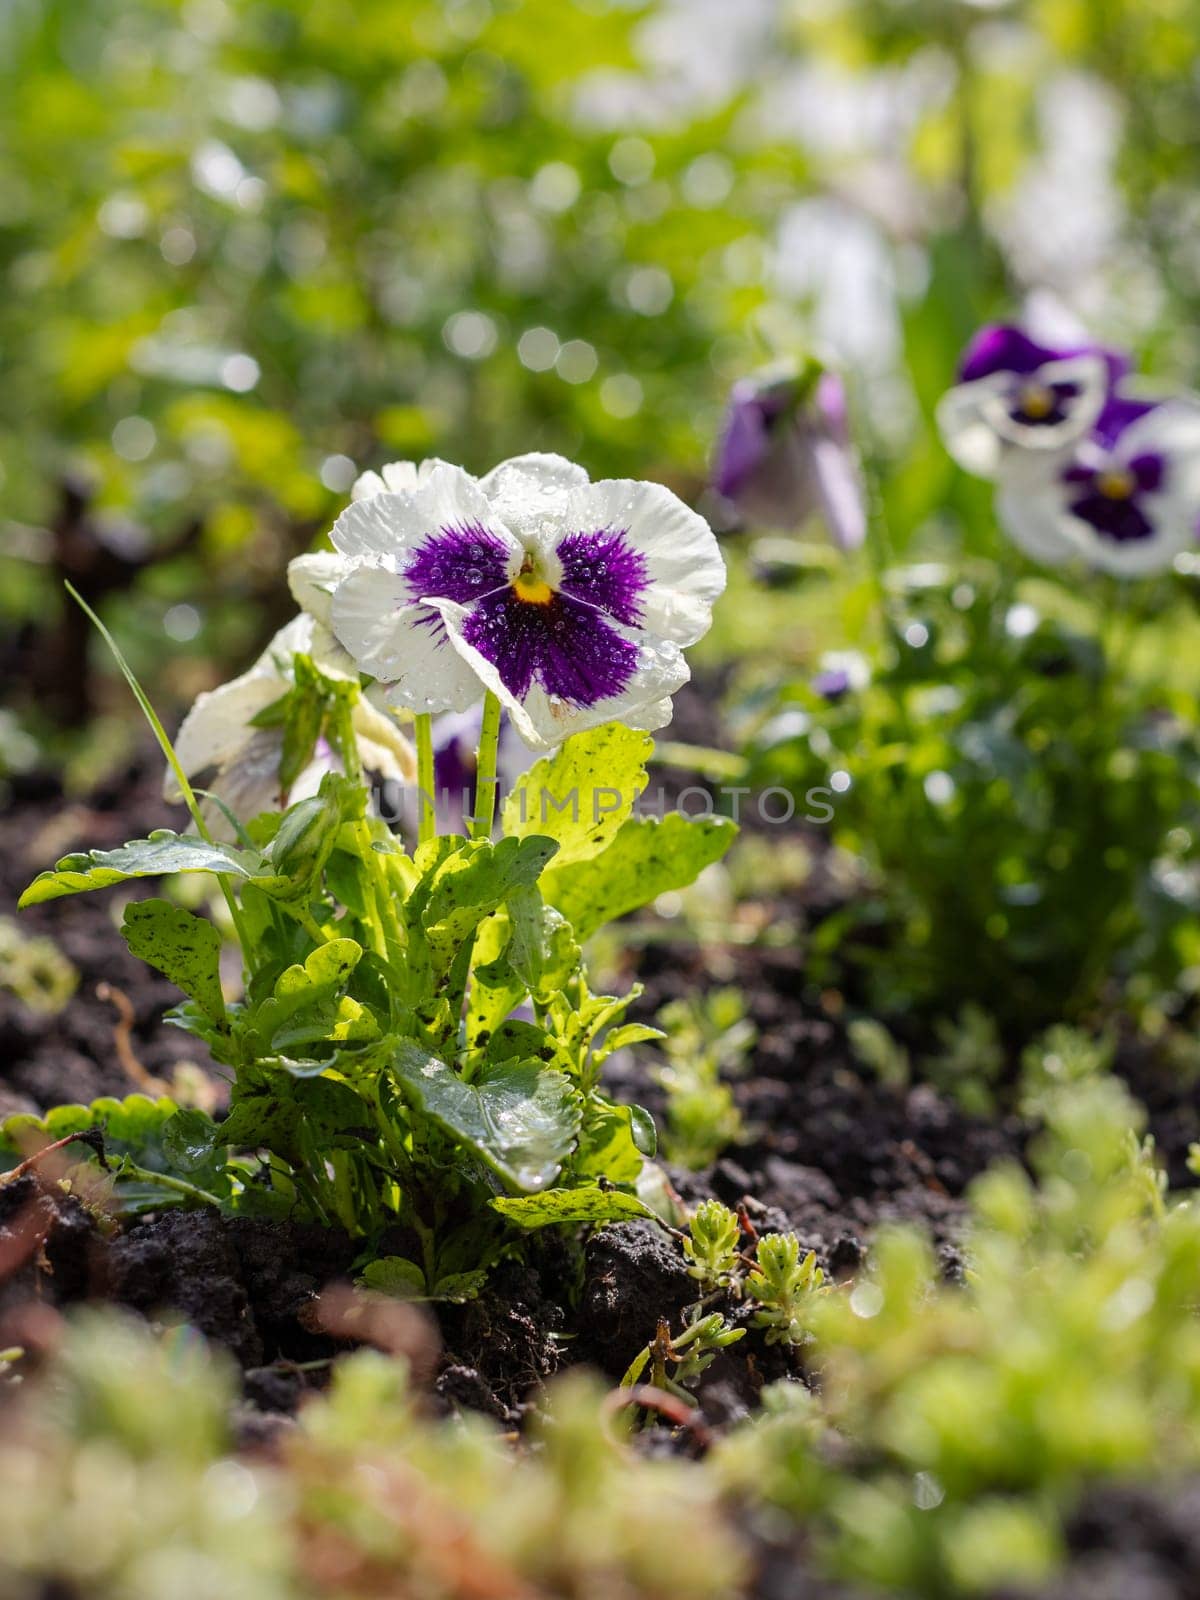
pixel 839 673
pixel 571 601
pixel 785 455
pixel 1015 394
pixel 455 746
pixel 1126 498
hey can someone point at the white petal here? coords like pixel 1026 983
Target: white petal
pixel 217 728
pixel 382 746
pixel 962 420
pixel 1174 532
pixel 683 560
pixel 294 638
pixel 391 526
pixel 544 721
pixel 396 642
pixel 312 580
pixel 529 494
pixel 249 782
pixel 366 485
pixel 1171 430
pixel 397 477
pixel 1032 509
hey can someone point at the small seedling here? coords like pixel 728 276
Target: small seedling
pixel 706 1039
pixel 712 1248
pixel 784 1286
pixel 689 1354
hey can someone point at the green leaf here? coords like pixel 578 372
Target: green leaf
pixel 543 950
pixel 648 857
pixel 495 988
pixel 188 1139
pixel 294 1118
pixel 135 1121
pixel 394 1275
pixel 163 852
pixel 589 1203
pixel 519 1117
pixel 472 882
pixel 308 1004
pixel 607 1146
pixel 636 1367
pixel 631 1033
pixel 644 1131
pixel 180 945
pixel 459 1286
pixel 581 795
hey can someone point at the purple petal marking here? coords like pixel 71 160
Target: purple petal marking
pixel 1117 516
pixel 564 645
pixel 1002 347
pixel 1150 470
pixel 1119 414
pixel 603 569
pixel 1122 520
pixel 457 563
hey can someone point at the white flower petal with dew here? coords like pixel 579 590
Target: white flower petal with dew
pixel 684 564
pixel 216 729
pixel 529 495
pixel 400 644
pixel 388 527
pixel 397 477
pixel 312 580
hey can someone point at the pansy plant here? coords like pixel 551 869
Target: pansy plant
pixel 416 1051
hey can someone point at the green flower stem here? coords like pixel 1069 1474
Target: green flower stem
pixel 486 776
pixel 427 809
pixel 130 1169
pixel 310 925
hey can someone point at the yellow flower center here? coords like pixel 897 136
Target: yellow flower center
pixel 1116 484
pixel 529 586
pixel 1037 400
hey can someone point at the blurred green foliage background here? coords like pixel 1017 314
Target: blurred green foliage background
pixel 252 246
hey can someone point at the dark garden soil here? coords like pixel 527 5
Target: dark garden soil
pixel 828 1152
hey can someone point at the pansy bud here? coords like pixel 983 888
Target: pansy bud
pixel 785 454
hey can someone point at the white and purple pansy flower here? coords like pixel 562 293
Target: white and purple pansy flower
pixel 785 454
pixel 1015 394
pixel 1126 498
pixel 571 601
